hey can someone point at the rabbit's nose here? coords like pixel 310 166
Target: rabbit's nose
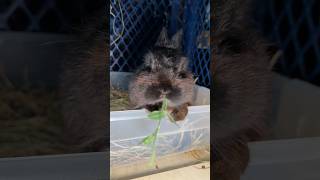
pixel 164 92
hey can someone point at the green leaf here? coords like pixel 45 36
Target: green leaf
pixel 156 115
pixel 149 139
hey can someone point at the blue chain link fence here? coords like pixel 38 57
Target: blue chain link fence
pixel 294 25
pixel 135 25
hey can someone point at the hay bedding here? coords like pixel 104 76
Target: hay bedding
pixel 119 99
pixel 30 121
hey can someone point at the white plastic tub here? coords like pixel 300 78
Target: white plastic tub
pixel 128 128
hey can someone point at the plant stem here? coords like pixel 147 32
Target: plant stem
pixel 152 162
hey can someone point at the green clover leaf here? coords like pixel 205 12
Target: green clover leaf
pixel 156 115
pixel 149 139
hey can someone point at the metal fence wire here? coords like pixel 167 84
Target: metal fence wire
pixel 32 15
pixel 135 25
pixel 295 26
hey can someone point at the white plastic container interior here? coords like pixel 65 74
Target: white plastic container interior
pixel 128 128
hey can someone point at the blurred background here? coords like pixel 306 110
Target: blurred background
pixel 293 25
pixel 34 33
pixel 293 30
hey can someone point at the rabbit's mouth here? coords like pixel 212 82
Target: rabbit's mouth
pixel 154 107
pixel 157 105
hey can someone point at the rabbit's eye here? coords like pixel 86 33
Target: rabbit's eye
pixel 182 75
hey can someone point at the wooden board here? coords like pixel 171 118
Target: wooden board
pixel 165 163
pixel 199 171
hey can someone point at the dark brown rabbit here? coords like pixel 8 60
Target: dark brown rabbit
pixel 241 88
pixel 84 87
pixel 164 73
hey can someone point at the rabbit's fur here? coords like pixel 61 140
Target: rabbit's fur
pixel 241 88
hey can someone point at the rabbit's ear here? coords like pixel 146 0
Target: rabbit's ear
pixel 163 38
pixel 176 39
pixel 174 42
